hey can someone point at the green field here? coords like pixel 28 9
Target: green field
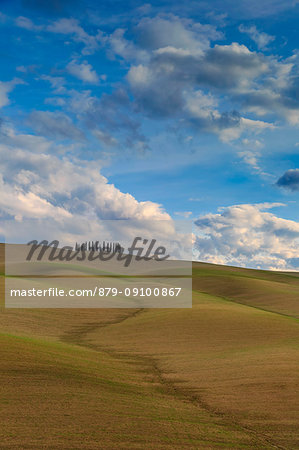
pixel 223 374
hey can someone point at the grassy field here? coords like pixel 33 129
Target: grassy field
pixel 223 374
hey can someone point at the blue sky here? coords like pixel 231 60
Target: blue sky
pixel 156 110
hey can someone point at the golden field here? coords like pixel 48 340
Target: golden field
pixel 223 374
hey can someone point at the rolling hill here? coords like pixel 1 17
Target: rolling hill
pixel 223 374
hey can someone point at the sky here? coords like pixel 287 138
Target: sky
pixel 163 111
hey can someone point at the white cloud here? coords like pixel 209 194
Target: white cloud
pixel 256 8
pixel 5 89
pixel 159 33
pixel 20 204
pixel 261 39
pixel 105 138
pixel 65 194
pixel 244 126
pixel 167 85
pixel 252 143
pixel 176 33
pixel 171 59
pixel 119 45
pixel 248 235
pixel 27 69
pixel 82 101
pixel 251 158
pixel 267 101
pixel 112 114
pixel 185 214
pixel 172 66
pixel 73 28
pixel 55 125
pixel 57 83
pixel 27 24
pixel 139 75
pixel 83 71
pixel 250 154
pixel 202 110
pixel 64 26
pixel 18 141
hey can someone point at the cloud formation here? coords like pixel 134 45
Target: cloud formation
pixel 65 194
pixel 110 118
pixel 83 71
pixel 176 73
pixel 260 38
pixel 72 27
pixel 170 81
pixel 289 180
pixel 55 125
pixel 247 235
pixel 253 8
pixel 178 69
pixel 27 24
pixel 5 89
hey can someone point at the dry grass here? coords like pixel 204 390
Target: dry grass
pixel 239 362
pixel 272 291
pixel 61 396
pixel 222 375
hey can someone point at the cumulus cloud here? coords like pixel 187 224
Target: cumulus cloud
pixel 171 71
pixel 13 140
pixel 289 180
pixel 191 80
pixel 113 113
pixel 266 101
pixel 172 61
pixel 160 87
pixel 67 195
pixel 153 34
pixel 5 89
pixel 73 28
pixel 202 112
pixel 83 71
pixel 21 204
pixel 117 44
pixel 55 125
pixel 173 64
pixel 260 38
pixel 174 32
pixel 247 235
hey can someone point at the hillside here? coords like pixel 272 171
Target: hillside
pixel 223 374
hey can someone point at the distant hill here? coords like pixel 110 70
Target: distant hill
pixel 272 291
